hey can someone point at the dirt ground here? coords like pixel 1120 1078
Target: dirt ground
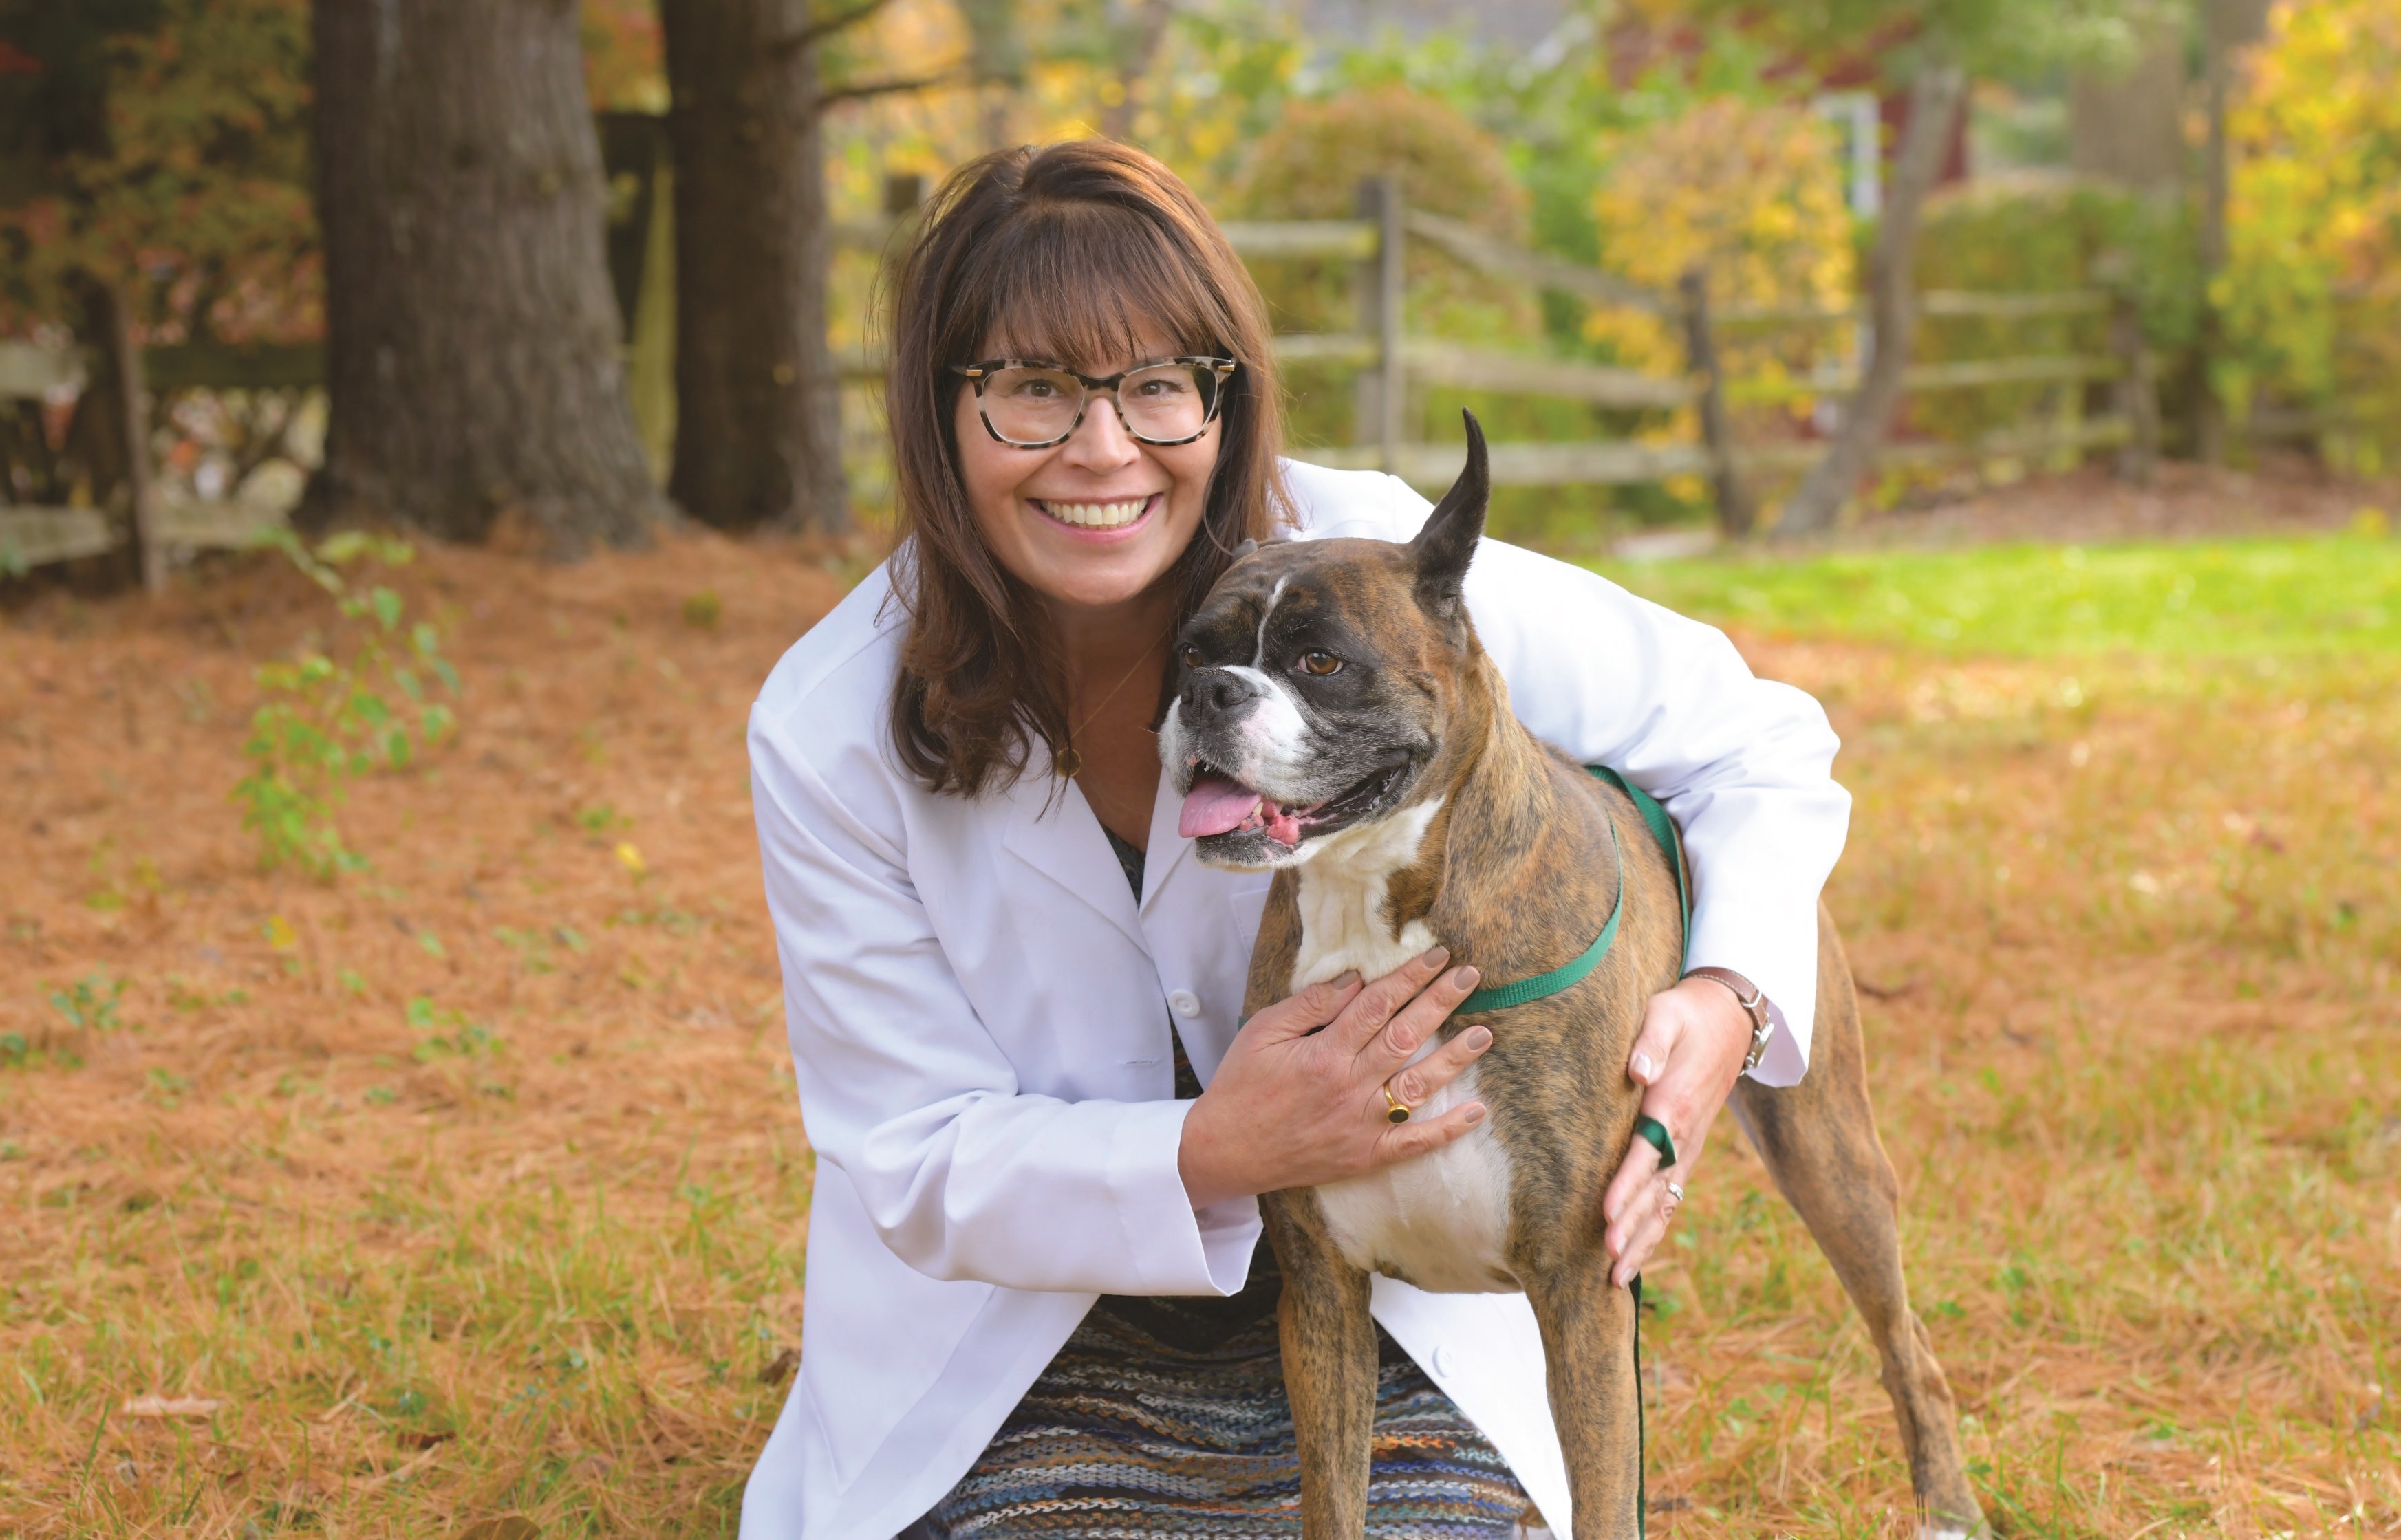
pixel 471 1185
pixel 2284 494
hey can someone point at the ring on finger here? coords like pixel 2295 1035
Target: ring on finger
pixel 1395 1110
pixel 1675 1193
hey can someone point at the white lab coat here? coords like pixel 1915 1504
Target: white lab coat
pixel 978 1014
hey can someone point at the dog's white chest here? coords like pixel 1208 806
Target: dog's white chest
pixel 1440 1221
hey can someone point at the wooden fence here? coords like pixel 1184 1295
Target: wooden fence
pixel 1387 365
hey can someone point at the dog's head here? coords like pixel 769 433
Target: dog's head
pixel 1318 682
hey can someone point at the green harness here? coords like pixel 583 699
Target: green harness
pixel 1567 974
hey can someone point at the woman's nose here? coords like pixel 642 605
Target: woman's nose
pixel 1100 442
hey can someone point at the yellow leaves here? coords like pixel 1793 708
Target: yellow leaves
pixel 279 934
pixel 631 859
pixel 1753 192
pixel 2313 207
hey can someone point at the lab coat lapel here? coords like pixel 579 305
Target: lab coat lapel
pixel 1063 842
pixel 1167 848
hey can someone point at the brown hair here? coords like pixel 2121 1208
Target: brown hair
pixel 1068 251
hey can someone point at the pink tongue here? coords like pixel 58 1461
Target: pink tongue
pixel 1215 805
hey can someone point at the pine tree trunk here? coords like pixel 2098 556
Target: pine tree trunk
pixel 758 399
pixel 1934 101
pixel 472 338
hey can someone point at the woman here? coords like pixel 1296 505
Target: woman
pixel 1035 1297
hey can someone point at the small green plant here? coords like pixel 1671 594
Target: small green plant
pixel 90 1004
pixel 448 1032
pixel 328 722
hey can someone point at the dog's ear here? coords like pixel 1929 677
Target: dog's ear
pixel 1447 544
pixel 1245 549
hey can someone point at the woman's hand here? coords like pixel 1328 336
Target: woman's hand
pixel 1687 1057
pixel 1295 1107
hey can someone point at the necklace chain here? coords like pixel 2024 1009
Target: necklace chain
pixel 1068 763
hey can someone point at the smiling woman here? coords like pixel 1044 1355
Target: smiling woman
pixel 1037 1296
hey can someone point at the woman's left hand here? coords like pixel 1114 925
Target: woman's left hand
pixel 1687 1058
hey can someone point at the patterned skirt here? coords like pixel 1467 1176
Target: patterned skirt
pixel 1168 1417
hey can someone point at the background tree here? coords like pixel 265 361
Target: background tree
pixel 471 336
pixel 758 389
pixel 1932 45
pixel 153 188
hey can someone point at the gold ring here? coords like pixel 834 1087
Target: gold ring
pixel 1395 1111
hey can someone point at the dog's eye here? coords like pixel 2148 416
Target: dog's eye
pixel 1192 657
pixel 1320 663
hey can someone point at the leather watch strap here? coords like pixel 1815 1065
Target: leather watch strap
pixel 1753 1001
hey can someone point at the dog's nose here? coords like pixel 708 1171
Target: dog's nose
pixel 1212 693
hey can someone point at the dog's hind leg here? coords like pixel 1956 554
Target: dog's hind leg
pixel 1820 1141
pixel 1588 1342
pixel 1329 1366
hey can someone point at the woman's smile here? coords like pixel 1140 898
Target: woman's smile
pixel 1089 516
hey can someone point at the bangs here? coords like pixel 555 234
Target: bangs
pixel 1082 284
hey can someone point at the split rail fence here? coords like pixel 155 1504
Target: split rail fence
pixel 1387 365
pixel 1390 363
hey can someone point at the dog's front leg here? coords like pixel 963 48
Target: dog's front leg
pixel 1329 1366
pixel 1588 1338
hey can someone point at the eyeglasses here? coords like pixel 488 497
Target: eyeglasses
pixel 1032 405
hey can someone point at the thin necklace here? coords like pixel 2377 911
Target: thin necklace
pixel 1067 764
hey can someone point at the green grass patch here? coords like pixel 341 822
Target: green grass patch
pixel 2316 596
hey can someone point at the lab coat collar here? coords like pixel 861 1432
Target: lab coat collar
pixel 1054 831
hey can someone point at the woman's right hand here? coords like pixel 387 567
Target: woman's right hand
pixel 1295 1107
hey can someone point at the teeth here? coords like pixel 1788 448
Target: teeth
pixel 1097 515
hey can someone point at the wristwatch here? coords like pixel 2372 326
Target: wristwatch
pixel 1753 1001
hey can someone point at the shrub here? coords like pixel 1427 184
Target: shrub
pixel 2311 299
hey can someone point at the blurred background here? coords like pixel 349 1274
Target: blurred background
pixel 1651 241
pixel 397 1134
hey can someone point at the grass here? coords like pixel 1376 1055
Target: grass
pixel 472 1186
pixel 2219 599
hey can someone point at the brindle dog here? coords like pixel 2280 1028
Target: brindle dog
pixel 1337 722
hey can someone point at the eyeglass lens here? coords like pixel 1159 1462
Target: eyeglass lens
pixel 1030 404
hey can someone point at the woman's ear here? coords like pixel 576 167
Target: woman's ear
pixel 1447 544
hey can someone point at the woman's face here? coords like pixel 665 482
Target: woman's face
pixel 1129 508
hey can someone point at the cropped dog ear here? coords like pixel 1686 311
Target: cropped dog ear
pixel 1447 544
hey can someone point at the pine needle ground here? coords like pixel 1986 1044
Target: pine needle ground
pixel 291 1249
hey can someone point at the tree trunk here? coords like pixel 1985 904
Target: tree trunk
pixel 1934 100
pixel 2126 123
pixel 1136 30
pixel 758 399
pixel 472 338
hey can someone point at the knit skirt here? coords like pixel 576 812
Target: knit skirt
pixel 1168 1417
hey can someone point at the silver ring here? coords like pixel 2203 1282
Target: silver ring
pixel 1676 1192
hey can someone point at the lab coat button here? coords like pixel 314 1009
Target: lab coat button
pixel 1184 1003
pixel 1442 1360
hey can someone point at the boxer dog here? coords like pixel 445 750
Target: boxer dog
pixel 1337 723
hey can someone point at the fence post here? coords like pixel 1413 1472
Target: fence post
pixel 2135 396
pixel 132 403
pixel 1382 395
pixel 1737 514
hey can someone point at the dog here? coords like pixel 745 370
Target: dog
pixel 1335 721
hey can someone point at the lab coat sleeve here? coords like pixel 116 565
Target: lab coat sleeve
pixel 1743 765
pixel 963 1175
